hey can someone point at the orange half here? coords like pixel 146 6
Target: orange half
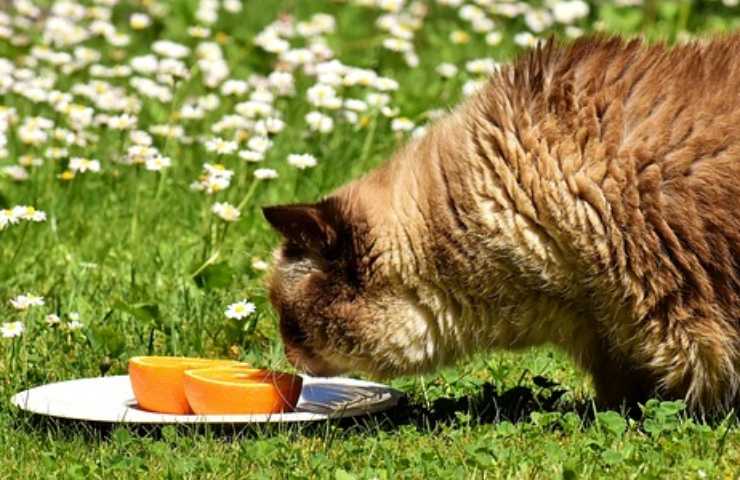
pixel 158 381
pixel 241 390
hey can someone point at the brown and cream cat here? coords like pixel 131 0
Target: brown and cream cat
pixel 587 197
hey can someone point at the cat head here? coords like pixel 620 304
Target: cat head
pixel 339 310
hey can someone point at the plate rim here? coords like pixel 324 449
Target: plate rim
pixel 20 400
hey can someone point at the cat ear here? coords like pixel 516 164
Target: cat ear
pixel 303 224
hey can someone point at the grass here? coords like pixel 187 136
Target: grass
pixel 150 270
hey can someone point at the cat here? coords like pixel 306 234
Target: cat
pixel 587 197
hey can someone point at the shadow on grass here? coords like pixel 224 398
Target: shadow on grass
pixel 486 406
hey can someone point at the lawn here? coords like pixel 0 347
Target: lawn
pixel 134 152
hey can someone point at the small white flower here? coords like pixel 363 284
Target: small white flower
pixel 391 5
pixel 24 212
pixel 321 95
pixel 226 211
pixel 270 125
pixel 357 76
pixel 251 156
pixel 470 13
pixel 494 38
pixel 221 146
pixel 538 20
pixel 145 64
pixel 157 163
pixel 419 132
pixel 472 86
pixel 74 316
pixel 167 48
pixel 197 31
pixel 240 310
pixel 355 105
pixel 265 174
pixel 122 122
pixel 485 66
pixel 7 218
pixel 52 319
pixel 298 56
pixel 483 24
pixel 16 172
pixel 446 70
pixel 377 100
pixel 12 329
pixel 234 87
pixel 259 144
pixel 140 137
pixel 411 59
pixel 269 41
pixel 459 37
pixel 252 109
pixel 24 302
pixel 139 21
pixel 217 170
pixel 385 84
pixel 569 11
pixel 282 83
pixel 525 39
pixel 81 165
pixel 232 6
pixel 398 45
pixel 351 116
pixel 74 325
pixel 259 264
pixel 302 161
pixel 402 124
pixel 319 122
pixel 573 32
pixel 215 184
pixel 390 112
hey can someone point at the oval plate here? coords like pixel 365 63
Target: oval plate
pixel 110 399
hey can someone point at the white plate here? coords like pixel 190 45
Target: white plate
pixel 110 399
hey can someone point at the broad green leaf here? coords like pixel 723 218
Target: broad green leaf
pixel 612 422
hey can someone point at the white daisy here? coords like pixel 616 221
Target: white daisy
pixel 265 174
pixel 226 211
pixel 402 124
pixel 251 156
pixel 24 302
pixel 240 310
pixel 12 329
pixel 302 161
pixel 81 165
pixel 446 70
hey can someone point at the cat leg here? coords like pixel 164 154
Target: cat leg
pixel 619 384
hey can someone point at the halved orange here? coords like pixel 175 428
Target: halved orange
pixel 158 381
pixel 241 390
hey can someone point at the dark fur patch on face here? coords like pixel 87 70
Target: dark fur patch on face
pixel 316 281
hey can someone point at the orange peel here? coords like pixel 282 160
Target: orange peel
pixel 157 382
pixel 241 390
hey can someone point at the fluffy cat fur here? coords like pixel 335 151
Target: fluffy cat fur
pixel 587 197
